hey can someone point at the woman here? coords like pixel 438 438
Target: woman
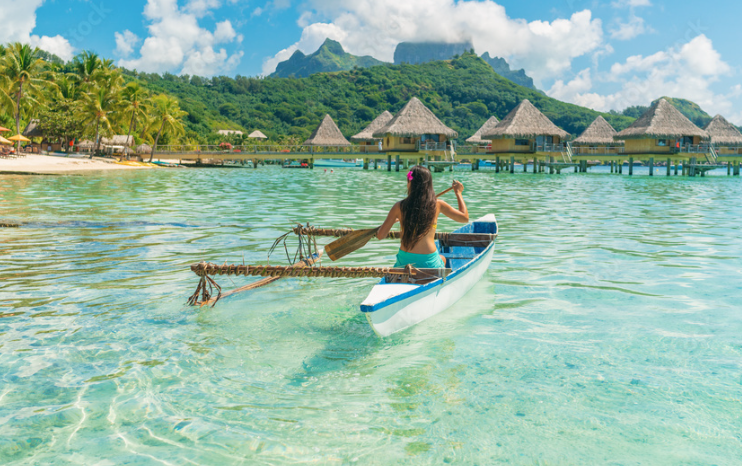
pixel 418 216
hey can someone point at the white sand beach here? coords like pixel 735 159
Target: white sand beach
pixel 34 164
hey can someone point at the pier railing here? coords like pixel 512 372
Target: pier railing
pixel 549 147
pixel 597 150
pixel 275 149
pixel 691 149
pixel 433 146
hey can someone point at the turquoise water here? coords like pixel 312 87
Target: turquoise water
pixel 607 330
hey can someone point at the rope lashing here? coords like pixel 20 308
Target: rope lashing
pixel 204 269
pixel 336 232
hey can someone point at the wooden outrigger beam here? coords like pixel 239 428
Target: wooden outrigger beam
pixel 265 281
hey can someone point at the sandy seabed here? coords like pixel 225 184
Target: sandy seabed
pixel 33 164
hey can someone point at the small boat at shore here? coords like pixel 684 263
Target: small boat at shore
pixel 393 306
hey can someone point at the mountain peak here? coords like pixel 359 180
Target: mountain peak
pixel 330 57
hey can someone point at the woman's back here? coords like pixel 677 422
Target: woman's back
pixel 418 216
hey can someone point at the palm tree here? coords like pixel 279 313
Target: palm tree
pixel 87 66
pixel 169 114
pixel 23 79
pixel 134 101
pixel 100 106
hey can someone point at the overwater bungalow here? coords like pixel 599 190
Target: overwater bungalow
pixel 366 137
pixel 661 130
pixel 725 137
pixel 598 138
pixel 525 130
pixel 327 134
pixel 476 139
pixel 414 129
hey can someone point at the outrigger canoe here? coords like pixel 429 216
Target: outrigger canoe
pixel 403 298
pixel 392 307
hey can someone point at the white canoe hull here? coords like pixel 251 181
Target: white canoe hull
pixel 391 308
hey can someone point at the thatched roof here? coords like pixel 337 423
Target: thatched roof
pixel 599 133
pixel 327 134
pixel 723 133
pixel 144 149
pixel 368 133
pixel 32 130
pixel 524 122
pixel 415 119
pixel 85 144
pixel 228 132
pixel 257 135
pixel 662 121
pixel 488 125
pixel 118 140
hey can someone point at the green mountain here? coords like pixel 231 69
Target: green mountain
pixel 464 92
pixel 328 58
pixel 415 53
pixel 502 68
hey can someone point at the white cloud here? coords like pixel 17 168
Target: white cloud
pixel 125 43
pixel 177 43
pixel 688 71
pixel 628 30
pixel 581 84
pixel 18 21
pixel 375 27
pixel 57 45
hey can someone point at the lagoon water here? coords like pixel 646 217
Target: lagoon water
pixel 608 329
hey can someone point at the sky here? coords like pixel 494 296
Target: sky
pixel 600 54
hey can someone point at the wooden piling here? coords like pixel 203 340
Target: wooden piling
pixel 376 163
pixel 396 160
pixel 389 162
pixel 512 165
pixel 551 165
pixel 631 166
pixel 669 162
pixel 620 167
pixel 497 164
pixel 729 169
pixel 365 164
pixel 677 162
pixel 651 166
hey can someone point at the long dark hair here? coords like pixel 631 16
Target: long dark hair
pixel 418 209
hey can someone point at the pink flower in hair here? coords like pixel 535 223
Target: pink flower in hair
pixel 409 175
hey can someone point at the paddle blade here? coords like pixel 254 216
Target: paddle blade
pixel 344 245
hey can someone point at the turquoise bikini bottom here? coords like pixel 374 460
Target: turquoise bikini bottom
pixel 420 261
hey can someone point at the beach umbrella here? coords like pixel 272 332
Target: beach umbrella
pixel 2 129
pixel 19 138
pixel 5 141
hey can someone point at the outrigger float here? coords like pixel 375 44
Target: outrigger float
pixel 404 296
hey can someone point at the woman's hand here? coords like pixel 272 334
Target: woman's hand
pixel 458 187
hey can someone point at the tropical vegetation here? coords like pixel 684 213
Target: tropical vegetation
pixel 87 98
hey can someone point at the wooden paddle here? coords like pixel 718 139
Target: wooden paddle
pixel 354 241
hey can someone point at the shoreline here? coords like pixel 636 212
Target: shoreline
pixel 49 165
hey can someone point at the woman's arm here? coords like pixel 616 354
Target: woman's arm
pixel 391 219
pixel 461 215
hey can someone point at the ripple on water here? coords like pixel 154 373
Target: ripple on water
pixel 606 330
